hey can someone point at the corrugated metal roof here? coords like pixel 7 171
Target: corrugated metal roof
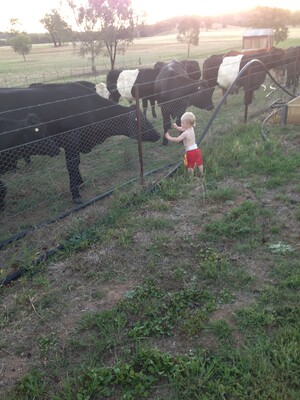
pixel 258 32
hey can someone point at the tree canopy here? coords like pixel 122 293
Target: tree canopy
pixel 21 44
pixel 107 27
pixel 188 32
pixel 56 26
pixel 274 18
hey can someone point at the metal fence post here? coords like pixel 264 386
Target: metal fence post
pixel 140 147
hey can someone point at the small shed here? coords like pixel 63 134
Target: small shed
pixel 258 39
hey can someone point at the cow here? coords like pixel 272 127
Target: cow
pixel 21 139
pixel 292 65
pixel 76 117
pixel 124 83
pixel 175 92
pixel 102 90
pixel 279 70
pixel 192 68
pixel 222 70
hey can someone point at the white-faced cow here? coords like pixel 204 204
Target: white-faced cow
pixel 101 89
pixel 192 67
pixel 21 139
pixel 222 70
pixel 175 92
pixel 77 118
pixel 132 83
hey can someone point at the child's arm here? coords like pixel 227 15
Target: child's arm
pixel 179 128
pixel 175 139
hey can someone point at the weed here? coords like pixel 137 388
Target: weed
pixel 281 248
pixel 221 329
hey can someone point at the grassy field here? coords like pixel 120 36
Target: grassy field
pixel 41 191
pixel 47 64
pixel 188 292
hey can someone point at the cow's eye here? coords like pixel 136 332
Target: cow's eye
pixel 36 129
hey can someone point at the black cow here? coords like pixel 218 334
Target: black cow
pixel 292 64
pixel 77 118
pixel 192 68
pixel 175 92
pixel 222 70
pixel 123 83
pixel 21 139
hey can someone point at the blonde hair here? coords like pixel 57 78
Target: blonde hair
pixel 190 118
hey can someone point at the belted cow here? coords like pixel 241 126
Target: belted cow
pixel 76 118
pixel 176 91
pixel 132 83
pixel 222 70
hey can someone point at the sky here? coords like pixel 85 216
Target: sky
pixel 29 12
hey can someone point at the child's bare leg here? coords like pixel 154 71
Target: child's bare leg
pixel 200 169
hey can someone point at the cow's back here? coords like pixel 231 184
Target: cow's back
pixel 63 106
pixel 210 69
pixel 146 81
pixel 168 79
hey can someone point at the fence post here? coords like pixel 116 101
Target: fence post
pixel 247 94
pixel 139 128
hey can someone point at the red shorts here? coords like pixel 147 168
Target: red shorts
pixel 193 158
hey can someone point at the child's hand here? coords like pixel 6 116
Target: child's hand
pixel 175 125
pixel 167 135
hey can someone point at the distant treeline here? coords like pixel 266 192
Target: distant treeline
pixel 241 19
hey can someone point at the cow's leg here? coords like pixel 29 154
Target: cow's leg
pixel 223 94
pixel 144 103
pixel 73 161
pixel 152 102
pixel 3 191
pixel 166 121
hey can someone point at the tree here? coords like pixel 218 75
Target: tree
pixel 56 26
pixel 21 43
pixel 188 32
pixel 89 37
pixel 274 18
pixel 117 26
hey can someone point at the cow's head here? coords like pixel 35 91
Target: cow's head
pixel 203 98
pixel 148 132
pixel 275 58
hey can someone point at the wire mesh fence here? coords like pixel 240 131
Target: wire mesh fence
pixel 85 146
